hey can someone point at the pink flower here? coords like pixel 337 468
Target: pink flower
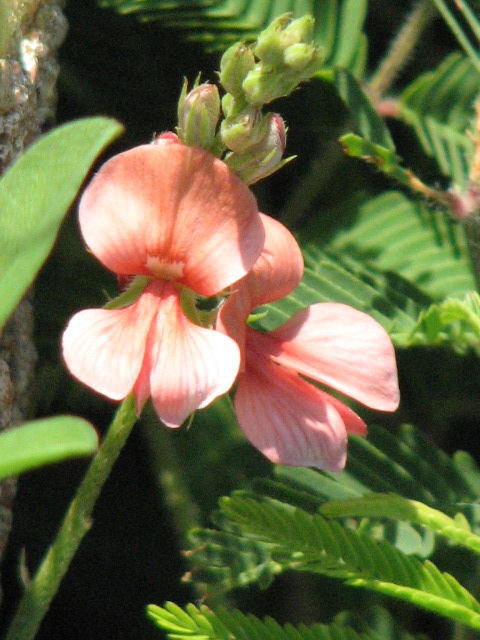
pixel 288 419
pixel 177 215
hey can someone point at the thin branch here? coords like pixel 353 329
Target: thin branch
pixel 402 47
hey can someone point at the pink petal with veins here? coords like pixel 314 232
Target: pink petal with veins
pixel 175 212
pixel 104 348
pixel 288 420
pixel 343 348
pixel 186 366
pixel 276 273
pixel 279 268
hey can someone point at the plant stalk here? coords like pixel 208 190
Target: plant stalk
pixel 77 522
pixel 402 47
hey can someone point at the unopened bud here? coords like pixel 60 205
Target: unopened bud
pixel 167 137
pixel 299 56
pixel 281 34
pixel 265 157
pixel 235 64
pixel 287 56
pixel 243 130
pixel 198 114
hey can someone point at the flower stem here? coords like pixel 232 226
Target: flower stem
pixel 42 589
pixel 402 47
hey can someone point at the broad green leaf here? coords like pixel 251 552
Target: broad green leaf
pixel 401 235
pixel 35 444
pixel 368 122
pixel 439 107
pixel 203 623
pixel 35 195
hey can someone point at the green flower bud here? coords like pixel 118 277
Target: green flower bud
pixel 287 56
pixel 299 31
pixel 281 34
pixel 243 130
pixel 235 64
pixel 198 115
pixel 264 158
pixel 269 47
pixel 299 56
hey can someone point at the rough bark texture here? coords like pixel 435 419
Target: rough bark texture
pixel 28 75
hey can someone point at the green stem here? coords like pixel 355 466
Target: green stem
pixel 42 589
pixel 402 47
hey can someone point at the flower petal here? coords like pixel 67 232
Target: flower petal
pixel 104 348
pixel 175 212
pixel 276 273
pixel 288 420
pixel 279 268
pixel 342 348
pixel 189 365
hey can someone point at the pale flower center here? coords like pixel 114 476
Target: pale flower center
pixel 165 270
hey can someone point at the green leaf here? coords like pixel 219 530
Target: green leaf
pixel 403 462
pixel 369 124
pixel 396 507
pixel 35 195
pixel 392 301
pixel 395 233
pixel 35 444
pixel 439 107
pixel 222 561
pixel 338 26
pixel 305 542
pixel 408 315
pixel 202 623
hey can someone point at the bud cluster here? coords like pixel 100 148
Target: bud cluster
pixel 283 57
pixel 251 142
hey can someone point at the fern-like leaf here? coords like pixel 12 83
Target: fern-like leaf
pixel 218 23
pixel 439 107
pixel 410 317
pixel 395 233
pixel 396 507
pixel 202 623
pixel 369 124
pixel 305 542
pixel 405 462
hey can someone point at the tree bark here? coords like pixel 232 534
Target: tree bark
pixel 31 34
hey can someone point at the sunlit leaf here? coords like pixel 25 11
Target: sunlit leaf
pixel 35 444
pixel 202 623
pixel 35 195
